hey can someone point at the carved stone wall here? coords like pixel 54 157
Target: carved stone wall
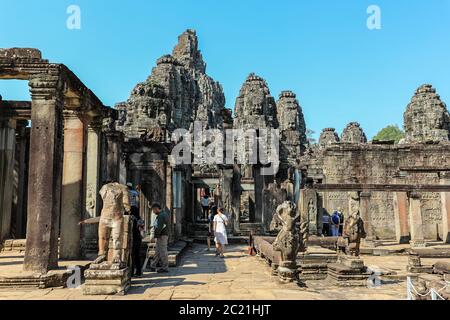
pixel 382 164
pixel 177 93
pixel 426 117
pixel 381 208
pixel 292 128
pixel 353 133
pixel 328 136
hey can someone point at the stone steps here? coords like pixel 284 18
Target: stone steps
pixel 26 280
pixel 174 250
pixel 17 245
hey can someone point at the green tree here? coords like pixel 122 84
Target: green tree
pixel 390 133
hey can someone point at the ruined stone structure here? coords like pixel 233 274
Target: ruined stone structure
pixel 426 117
pixel 65 119
pixel 353 133
pixel 388 177
pixel 52 168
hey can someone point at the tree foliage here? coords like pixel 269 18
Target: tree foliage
pixel 390 133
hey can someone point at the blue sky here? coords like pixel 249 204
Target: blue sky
pixel 322 49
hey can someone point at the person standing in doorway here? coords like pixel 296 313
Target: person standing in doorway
pixel 205 206
pixel 212 214
pixel 138 230
pixel 220 232
pixel 341 221
pixel 334 222
pixel 134 199
pixel 326 225
pixel 161 230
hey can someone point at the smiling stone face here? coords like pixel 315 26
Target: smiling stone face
pixel 426 118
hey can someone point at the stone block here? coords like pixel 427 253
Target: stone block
pixel 103 281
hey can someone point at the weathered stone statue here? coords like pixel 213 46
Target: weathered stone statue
pixel 353 228
pixel 115 204
pixel 288 241
pixel 109 273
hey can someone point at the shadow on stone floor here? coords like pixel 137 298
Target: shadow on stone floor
pixel 10 263
pixel 141 285
pixel 11 257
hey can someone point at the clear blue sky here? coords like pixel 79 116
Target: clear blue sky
pixel 321 49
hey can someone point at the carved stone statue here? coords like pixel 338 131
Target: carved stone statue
pixel 288 241
pixel 115 204
pixel 353 228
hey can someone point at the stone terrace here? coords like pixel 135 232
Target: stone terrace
pixel 201 275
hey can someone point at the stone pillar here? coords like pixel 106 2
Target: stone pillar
pixel 364 207
pixel 112 156
pixel 92 183
pixel 44 179
pixel 123 178
pixel 401 208
pixel 72 188
pixel 445 207
pixel 236 198
pixel 7 143
pixel 259 188
pixel 415 221
pixel 169 202
pixel 227 190
pixel 20 185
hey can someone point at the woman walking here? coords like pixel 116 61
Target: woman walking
pixel 220 231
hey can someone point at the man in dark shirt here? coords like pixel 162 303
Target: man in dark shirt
pixel 161 229
pixel 341 221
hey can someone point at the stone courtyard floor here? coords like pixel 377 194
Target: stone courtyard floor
pixel 202 275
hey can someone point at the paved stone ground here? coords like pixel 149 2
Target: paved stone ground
pixel 202 275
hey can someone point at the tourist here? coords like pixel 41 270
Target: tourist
pixel 212 214
pixel 161 231
pixel 326 225
pixel 220 231
pixel 341 221
pixel 335 221
pixel 138 229
pixel 134 199
pixel 205 206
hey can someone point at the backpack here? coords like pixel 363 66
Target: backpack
pixel 335 218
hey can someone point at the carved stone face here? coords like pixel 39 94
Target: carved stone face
pixel 254 103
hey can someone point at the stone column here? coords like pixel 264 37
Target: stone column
pixel 92 183
pixel 45 169
pixel 72 188
pixel 415 221
pixel 364 207
pixel 445 207
pixel 112 156
pixel 259 188
pixel 123 178
pixel 236 198
pixel 227 190
pixel 20 187
pixel 169 202
pixel 401 208
pixel 7 143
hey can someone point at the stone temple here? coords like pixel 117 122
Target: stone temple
pixel 57 150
